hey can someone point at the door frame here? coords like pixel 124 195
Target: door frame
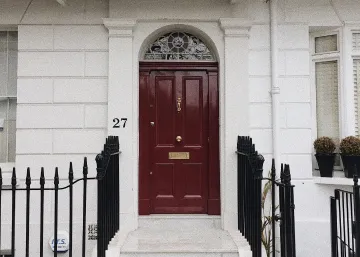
pixel 214 152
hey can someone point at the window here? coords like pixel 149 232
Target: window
pixel 178 46
pixel 8 82
pixel 326 66
pixel 356 79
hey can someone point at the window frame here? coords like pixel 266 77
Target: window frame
pixel 8 166
pixel 326 57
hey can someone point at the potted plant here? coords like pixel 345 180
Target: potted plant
pixel 350 155
pixel 325 156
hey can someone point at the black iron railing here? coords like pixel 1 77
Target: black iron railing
pixel 249 172
pixel 108 203
pixel 286 216
pixel 250 169
pixel 345 222
pixel 108 194
pixel 29 190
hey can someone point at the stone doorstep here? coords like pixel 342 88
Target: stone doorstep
pixel 182 235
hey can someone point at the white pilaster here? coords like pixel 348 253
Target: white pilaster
pixel 236 109
pixel 120 106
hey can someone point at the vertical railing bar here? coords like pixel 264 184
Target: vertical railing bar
pixel 117 177
pixel 56 183
pixel 357 213
pixel 273 207
pixel 333 219
pixel 337 196
pixel 347 221
pixel 27 232
pixel 281 206
pixel 42 184
pixel 85 172
pixel 71 179
pixel 352 222
pixel 343 214
pixel 293 239
pixel 13 213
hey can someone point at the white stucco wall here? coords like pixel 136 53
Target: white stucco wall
pixel 63 91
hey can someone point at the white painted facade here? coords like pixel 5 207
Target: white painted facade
pixel 78 70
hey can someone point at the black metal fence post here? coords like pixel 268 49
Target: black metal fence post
pixel 108 194
pixel 249 176
pixel 56 183
pixel 333 219
pixel 357 214
pixel 85 173
pixel 273 207
pixel 42 185
pixel 13 190
pixel 71 179
pixel 28 183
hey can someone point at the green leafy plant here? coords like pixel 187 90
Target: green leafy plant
pixel 324 145
pixel 350 146
pixel 266 228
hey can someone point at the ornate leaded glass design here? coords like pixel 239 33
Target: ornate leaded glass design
pixel 178 46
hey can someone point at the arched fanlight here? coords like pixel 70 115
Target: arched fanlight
pixel 178 46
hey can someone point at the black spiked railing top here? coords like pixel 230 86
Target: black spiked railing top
pixel 28 178
pixel 13 178
pixel 111 147
pixel 71 173
pixel 42 177
pixel 108 181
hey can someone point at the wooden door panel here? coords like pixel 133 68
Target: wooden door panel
pixel 162 173
pixel 193 182
pixel 163 98
pixel 193 111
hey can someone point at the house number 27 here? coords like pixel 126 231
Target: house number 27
pixel 119 122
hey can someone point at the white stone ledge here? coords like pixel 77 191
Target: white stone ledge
pixel 333 181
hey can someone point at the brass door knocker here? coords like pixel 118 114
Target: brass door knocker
pixel 179 104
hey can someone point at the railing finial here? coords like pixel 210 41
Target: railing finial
pixel 28 177
pixel 13 177
pixel 356 179
pixel 42 176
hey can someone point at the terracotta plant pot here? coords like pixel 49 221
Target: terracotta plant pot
pixel 326 164
pixel 349 161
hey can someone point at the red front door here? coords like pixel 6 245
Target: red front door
pixel 174 144
pixel 179 112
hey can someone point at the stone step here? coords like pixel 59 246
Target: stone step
pixel 179 222
pixel 189 254
pixel 181 236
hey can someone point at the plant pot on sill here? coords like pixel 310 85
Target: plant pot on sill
pixel 348 162
pixel 326 163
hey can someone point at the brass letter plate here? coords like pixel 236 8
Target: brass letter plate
pixel 179 155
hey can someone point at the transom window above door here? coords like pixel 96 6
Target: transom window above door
pixel 178 46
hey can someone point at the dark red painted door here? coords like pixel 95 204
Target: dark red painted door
pixel 178 102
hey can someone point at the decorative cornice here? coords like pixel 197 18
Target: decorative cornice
pixel 120 27
pixel 234 27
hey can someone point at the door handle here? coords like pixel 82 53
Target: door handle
pixel 179 139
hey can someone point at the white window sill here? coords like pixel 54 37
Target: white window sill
pixel 334 181
pixel 6 170
pixel 7 167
